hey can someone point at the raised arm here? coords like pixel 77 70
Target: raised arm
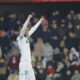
pixel 34 28
pixel 25 26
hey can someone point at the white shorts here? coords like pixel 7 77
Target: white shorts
pixel 26 71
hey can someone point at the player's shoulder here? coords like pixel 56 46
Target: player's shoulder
pixel 19 38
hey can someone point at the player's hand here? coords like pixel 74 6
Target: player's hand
pixel 30 16
pixel 42 19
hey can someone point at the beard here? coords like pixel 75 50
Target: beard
pixel 26 35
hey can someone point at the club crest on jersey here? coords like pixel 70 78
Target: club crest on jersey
pixel 27 41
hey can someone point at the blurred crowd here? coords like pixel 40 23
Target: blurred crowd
pixel 55 46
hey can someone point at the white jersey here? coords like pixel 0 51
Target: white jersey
pixel 23 42
pixel 24 47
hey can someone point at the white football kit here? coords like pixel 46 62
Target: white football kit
pixel 25 66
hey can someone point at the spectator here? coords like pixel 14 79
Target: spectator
pixel 47 50
pixel 69 18
pixel 5 43
pixel 41 75
pixel 54 21
pixel 60 66
pixel 62 30
pixel 13 76
pixel 50 69
pixel 62 45
pixel 52 77
pixel 36 70
pixel 65 52
pixel 13 35
pixel 44 33
pixel 39 63
pixel 73 55
pixel 58 76
pixel 77 21
pixel 3 68
pixel 76 75
pixel 54 36
pixel 51 61
pixel 73 15
pixel 12 21
pixel 35 20
pixel 13 62
pixel 77 31
pixel 2 23
pixel 56 16
pixel 17 24
pixel 34 14
pixel 69 28
pixel 67 67
pixel 58 56
pixel 48 77
pixel 38 47
pixel 72 41
pixel 67 75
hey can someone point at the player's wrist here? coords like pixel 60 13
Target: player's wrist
pixel 30 16
pixel 42 19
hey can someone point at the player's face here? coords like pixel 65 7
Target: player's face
pixel 27 30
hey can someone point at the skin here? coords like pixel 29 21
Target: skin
pixel 26 33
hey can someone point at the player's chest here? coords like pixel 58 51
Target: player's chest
pixel 26 40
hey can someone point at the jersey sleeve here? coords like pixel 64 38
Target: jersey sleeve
pixel 24 27
pixel 34 28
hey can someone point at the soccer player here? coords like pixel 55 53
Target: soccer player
pixel 25 66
